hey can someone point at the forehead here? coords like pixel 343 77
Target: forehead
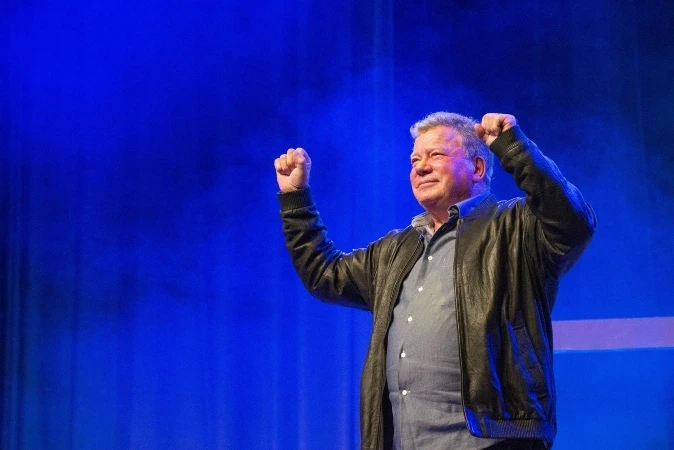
pixel 438 137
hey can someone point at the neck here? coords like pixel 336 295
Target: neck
pixel 441 215
pixel 438 221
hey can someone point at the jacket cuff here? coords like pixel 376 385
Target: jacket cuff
pixel 505 140
pixel 300 198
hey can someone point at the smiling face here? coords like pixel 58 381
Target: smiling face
pixel 442 174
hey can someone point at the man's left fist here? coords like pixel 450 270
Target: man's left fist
pixel 494 124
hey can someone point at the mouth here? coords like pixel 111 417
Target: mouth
pixel 425 182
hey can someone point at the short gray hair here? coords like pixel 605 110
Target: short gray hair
pixel 465 126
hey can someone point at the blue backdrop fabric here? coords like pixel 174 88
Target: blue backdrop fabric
pixel 147 297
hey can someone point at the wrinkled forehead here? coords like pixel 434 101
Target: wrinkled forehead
pixel 437 137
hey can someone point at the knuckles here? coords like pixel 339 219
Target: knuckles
pixel 495 123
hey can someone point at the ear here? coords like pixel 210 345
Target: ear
pixel 480 169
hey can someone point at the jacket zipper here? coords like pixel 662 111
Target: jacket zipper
pixel 458 322
pixel 397 284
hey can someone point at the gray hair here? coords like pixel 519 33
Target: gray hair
pixel 465 126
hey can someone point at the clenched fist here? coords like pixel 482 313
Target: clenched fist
pixel 292 170
pixel 494 124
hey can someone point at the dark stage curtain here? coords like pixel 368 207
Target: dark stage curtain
pixel 147 297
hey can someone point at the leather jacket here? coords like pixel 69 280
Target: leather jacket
pixel 510 256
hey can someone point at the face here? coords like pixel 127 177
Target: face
pixel 441 174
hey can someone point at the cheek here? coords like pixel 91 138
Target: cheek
pixel 444 171
pixel 456 172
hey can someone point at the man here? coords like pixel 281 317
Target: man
pixel 461 349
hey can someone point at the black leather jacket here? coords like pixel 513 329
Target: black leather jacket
pixel 510 256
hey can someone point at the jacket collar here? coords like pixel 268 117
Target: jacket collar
pixel 467 209
pixel 485 205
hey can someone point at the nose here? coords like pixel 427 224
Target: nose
pixel 422 167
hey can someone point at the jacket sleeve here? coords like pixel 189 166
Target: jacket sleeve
pixel 564 222
pixel 327 273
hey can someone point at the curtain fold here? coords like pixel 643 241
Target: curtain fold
pixel 147 297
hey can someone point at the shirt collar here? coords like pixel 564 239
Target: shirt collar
pixel 464 207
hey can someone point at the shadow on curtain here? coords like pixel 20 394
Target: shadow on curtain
pixel 147 299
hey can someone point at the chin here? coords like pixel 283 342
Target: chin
pixel 428 203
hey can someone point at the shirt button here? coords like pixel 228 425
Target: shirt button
pixel 404 391
pixel 421 288
pixel 409 319
pixel 403 354
pixel 430 258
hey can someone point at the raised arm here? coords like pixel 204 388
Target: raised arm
pixel 328 273
pixel 565 221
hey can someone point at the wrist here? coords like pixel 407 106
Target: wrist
pixel 295 199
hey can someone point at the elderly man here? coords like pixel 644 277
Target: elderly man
pixel 460 355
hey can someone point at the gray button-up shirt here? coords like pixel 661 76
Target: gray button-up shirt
pixel 422 358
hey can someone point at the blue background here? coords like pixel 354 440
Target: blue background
pixel 147 297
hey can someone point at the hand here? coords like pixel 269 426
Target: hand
pixel 494 124
pixel 292 170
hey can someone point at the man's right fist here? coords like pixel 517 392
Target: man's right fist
pixel 292 170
